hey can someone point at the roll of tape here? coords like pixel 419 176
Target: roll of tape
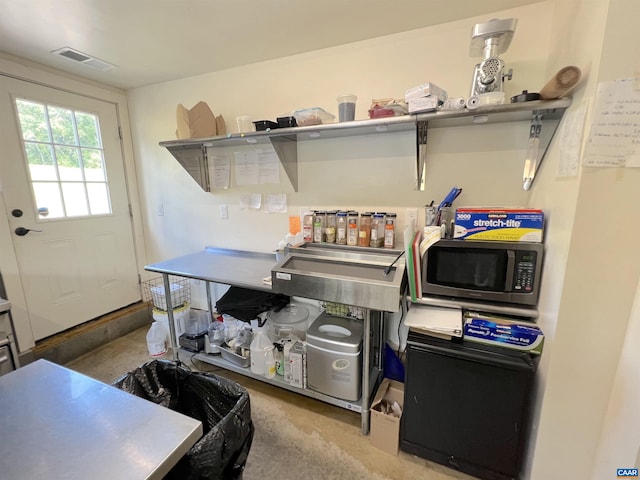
pixel 473 102
pixel 454 104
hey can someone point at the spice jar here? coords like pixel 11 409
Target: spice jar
pixel 319 226
pixel 364 232
pixel 377 230
pixel 390 230
pixel 352 228
pixel 330 227
pixel 307 227
pixel 341 228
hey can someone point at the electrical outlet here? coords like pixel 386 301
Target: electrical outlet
pixel 224 212
pixel 412 217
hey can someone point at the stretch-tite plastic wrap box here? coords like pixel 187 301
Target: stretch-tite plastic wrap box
pixel 499 224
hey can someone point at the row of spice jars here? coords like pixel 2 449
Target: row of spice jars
pixel 367 229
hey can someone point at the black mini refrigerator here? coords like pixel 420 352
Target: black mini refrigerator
pixel 466 405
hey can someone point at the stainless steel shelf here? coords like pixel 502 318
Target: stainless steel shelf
pixel 218 361
pixel 488 307
pixel 192 154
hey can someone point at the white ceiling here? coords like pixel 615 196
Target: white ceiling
pixel 154 41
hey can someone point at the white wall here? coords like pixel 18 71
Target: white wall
pixel 360 172
pixel 601 280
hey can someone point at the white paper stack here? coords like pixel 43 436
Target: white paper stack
pixel 442 321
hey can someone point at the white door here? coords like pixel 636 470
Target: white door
pixel 63 181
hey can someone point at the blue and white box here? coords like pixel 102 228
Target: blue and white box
pixel 502 332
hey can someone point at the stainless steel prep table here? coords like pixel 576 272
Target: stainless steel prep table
pixel 248 269
pixel 57 423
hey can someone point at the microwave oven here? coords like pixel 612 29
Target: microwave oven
pixel 503 272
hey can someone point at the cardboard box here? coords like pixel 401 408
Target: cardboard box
pixel 501 224
pixel 425 90
pixel 384 433
pixel 423 104
pixel 506 333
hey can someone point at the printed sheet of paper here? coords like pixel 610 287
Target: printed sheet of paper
pixel 276 203
pixel 570 141
pixel 220 171
pixel 614 138
pixel 246 164
pixel 268 167
pixel 250 201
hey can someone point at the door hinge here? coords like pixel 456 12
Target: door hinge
pixel 139 280
pixel 120 132
pixel 130 211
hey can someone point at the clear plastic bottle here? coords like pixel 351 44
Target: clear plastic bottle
pixel 319 226
pixel 377 230
pixel 330 229
pixel 341 228
pixel 269 363
pixel 352 229
pixel 157 340
pixel 364 231
pixel 390 230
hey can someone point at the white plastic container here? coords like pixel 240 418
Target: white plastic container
pixel 157 340
pixel 259 343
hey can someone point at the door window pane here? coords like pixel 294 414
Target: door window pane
pixel 93 165
pixel 88 130
pixel 75 199
pixel 33 121
pixel 48 199
pixel 69 164
pixel 42 165
pixel 98 198
pixel 62 126
pixel 63 150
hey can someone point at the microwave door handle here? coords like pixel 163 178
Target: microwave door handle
pixel 511 261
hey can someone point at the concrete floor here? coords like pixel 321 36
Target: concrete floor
pixel 333 430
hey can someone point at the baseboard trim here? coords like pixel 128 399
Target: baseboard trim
pixel 72 343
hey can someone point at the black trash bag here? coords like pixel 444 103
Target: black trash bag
pixel 221 405
pixel 246 304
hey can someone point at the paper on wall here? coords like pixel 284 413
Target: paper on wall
pixel 268 166
pixel 276 203
pixel 246 170
pixel 220 171
pixel 250 201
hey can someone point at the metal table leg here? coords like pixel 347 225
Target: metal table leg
pixel 172 325
pixel 366 372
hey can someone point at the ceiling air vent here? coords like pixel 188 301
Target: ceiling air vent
pixel 83 58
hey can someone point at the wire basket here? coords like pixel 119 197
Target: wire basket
pixel 154 291
pixel 343 310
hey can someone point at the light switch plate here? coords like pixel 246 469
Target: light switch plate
pixel 224 212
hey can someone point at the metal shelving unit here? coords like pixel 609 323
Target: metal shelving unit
pixel 192 154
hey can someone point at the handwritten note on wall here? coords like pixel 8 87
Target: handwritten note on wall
pixel 614 138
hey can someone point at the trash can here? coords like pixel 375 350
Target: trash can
pixel 220 404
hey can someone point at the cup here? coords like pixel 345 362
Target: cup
pixel 245 124
pixel 346 108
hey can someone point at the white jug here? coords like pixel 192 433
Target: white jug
pixel 259 343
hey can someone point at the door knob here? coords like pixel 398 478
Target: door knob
pixel 21 231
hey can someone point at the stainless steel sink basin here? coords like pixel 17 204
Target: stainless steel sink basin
pixel 354 277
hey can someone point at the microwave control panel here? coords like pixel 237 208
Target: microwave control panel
pixel 525 271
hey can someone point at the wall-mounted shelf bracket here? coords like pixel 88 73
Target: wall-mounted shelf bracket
pixel 422 128
pixel 539 141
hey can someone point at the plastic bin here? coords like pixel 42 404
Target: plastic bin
pixel 221 405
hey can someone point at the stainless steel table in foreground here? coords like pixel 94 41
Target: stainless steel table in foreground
pixel 57 423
